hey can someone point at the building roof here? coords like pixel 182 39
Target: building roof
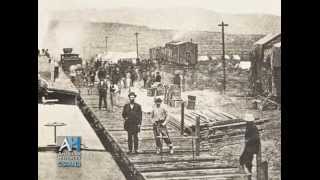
pixel 178 42
pixel 267 38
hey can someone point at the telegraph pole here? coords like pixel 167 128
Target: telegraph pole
pixel 106 44
pixel 137 43
pixel 223 56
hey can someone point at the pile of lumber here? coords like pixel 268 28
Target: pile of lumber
pixel 208 118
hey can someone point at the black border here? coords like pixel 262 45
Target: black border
pixel 19 24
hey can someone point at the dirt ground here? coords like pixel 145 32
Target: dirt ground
pixel 236 103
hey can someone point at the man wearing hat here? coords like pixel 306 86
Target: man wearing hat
pixel 132 114
pixel 159 118
pixel 102 90
pixel 252 143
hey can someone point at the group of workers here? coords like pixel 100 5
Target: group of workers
pixel 111 79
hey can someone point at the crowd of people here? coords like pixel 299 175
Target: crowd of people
pixel 113 79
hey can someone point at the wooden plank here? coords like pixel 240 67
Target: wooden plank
pixel 190 174
pixel 166 157
pixel 179 165
pixel 234 176
pixel 182 164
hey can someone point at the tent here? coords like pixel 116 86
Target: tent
pixel 213 58
pixel 113 57
pixel 245 65
pixel 236 57
pixel 203 58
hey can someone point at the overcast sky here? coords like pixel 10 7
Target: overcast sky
pixel 227 6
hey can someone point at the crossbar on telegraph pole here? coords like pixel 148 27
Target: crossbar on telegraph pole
pixel 223 56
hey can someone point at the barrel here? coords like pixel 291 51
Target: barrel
pixel 191 102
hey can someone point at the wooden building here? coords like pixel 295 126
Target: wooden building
pixel 157 54
pixel 264 75
pixel 182 52
pixel 175 52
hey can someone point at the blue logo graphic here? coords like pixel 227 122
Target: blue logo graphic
pixel 69 148
pixel 70 142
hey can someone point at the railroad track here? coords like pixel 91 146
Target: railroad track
pixel 147 164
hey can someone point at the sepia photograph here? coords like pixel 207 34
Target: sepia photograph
pixel 159 89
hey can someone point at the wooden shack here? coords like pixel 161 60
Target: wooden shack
pixel 182 52
pixel 157 54
pixel 262 71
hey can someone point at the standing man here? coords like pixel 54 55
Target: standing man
pixel 252 144
pixel 145 78
pixel 102 73
pixel 177 80
pixel 159 119
pixel 158 77
pixel 113 94
pixel 102 89
pixel 56 69
pixel 132 114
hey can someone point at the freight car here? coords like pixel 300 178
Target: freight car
pixel 176 52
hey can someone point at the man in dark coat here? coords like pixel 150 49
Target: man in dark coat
pixel 176 80
pixel 116 76
pixel 158 77
pixel 102 89
pixel 132 115
pixel 102 73
pixel 252 143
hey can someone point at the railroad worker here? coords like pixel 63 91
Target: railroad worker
pixel 128 79
pixel 133 76
pixel 159 117
pixel 101 73
pixel 56 69
pixel 145 78
pixel 177 80
pixel 132 115
pixel 116 76
pixel 113 94
pixel 252 144
pixel 158 77
pixel 102 90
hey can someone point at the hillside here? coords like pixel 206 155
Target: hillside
pixel 178 18
pixel 88 38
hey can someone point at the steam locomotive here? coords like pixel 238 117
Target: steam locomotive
pixel 68 59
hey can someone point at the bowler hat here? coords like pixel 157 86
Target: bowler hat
pixel 132 94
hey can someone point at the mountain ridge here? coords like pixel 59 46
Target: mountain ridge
pixel 188 19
